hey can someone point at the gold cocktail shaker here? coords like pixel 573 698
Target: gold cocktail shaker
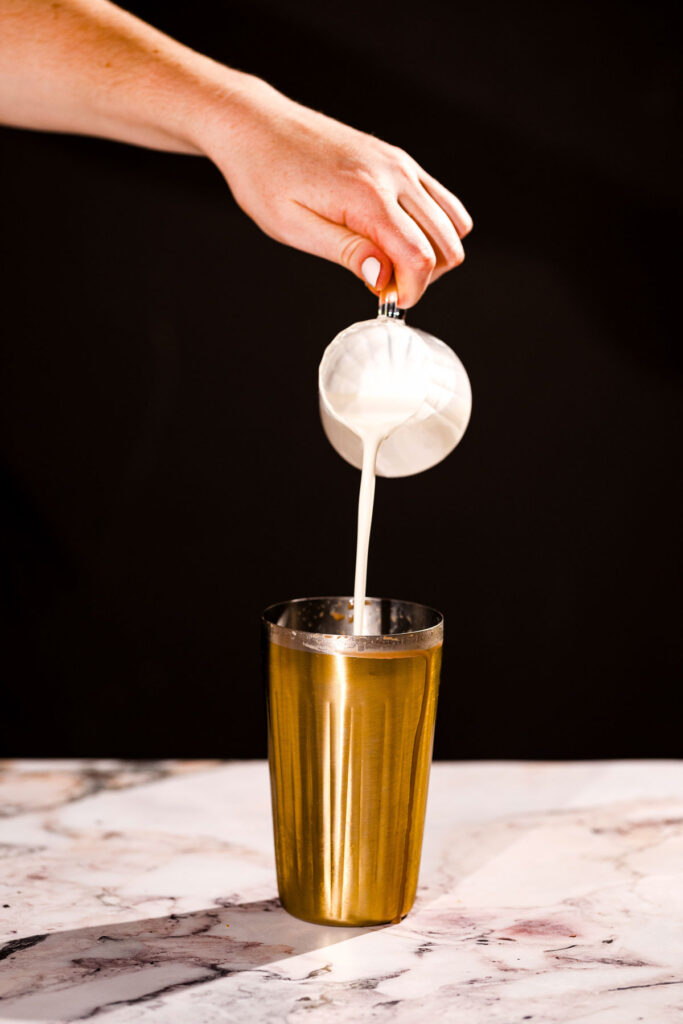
pixel 350 733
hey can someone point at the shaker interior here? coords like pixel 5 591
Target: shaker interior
pixel 334 616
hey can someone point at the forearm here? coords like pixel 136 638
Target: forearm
pixel 88 67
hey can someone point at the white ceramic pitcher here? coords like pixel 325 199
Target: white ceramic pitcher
pixel 384 357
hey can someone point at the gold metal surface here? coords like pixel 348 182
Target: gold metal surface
pixel 350 743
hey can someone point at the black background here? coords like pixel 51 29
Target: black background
pixel 163 472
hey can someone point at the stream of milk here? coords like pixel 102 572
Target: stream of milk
pixel 372 418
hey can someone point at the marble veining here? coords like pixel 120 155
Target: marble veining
pixel 140 892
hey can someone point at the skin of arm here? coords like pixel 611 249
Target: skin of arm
pixel 88 67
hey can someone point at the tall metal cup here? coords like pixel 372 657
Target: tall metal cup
pixel 350 733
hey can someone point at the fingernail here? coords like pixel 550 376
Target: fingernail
pixel 370 270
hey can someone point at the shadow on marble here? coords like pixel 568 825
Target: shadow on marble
pixel 75 974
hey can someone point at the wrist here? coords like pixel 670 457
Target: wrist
pixel 221 104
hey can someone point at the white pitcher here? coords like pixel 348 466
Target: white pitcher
pixel 384 358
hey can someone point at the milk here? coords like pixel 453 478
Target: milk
pixel 372 418
pixel 393 401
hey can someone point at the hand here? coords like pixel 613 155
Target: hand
pixel 323 187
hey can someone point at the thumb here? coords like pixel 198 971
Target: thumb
pixel 363 258
pixel 339 244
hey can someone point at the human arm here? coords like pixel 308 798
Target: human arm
pixel 86 66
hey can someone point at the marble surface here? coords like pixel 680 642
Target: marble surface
pixel 142 892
